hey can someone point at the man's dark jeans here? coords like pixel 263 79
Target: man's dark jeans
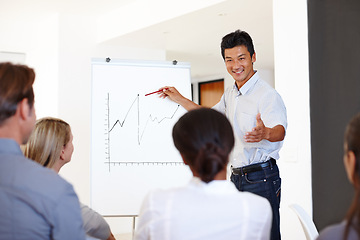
pixel 266 183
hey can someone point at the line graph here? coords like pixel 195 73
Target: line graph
pixel 110 127
pixel 150 118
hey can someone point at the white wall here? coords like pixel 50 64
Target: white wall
pixel 292 82
pixel 35 36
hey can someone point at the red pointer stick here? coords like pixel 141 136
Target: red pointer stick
pixel 155 92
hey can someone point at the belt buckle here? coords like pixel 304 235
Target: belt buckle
pixel 236 171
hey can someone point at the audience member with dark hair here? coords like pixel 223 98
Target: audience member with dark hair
pixel 35 202
pixel 50 144
pixel 349 229
pixel 209 207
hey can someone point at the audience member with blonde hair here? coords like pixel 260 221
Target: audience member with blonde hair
pixel 51 145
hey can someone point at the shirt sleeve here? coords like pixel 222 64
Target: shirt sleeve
pixel 94 224
pixel 220 106
pixel 68 221
pixel 273 110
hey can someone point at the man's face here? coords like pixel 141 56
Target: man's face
pixel 239 64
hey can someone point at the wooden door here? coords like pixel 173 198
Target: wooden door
pixel 210 92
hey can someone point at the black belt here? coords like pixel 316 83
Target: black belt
pixel 253 167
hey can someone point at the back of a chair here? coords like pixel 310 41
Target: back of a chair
pixel 307 223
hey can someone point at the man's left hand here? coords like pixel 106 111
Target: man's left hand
pixel 259 132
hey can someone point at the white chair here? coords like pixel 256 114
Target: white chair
pixel 307 223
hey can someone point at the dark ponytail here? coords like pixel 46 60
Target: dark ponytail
pixel 205 139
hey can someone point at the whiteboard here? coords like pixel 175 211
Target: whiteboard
pixel 132 150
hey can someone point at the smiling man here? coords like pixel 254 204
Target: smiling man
pixel 258 116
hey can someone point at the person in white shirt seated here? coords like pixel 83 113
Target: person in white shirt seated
pixel 209 206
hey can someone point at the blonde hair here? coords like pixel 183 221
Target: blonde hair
pixel 46 141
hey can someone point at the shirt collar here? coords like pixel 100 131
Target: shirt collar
pixel 248 85
pixel 216 186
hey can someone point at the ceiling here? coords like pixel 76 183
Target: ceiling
pixel 196 37
pixel 193 37
pixel 94 7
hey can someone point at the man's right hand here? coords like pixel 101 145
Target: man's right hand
pixel 174 95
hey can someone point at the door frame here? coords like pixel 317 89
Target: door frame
pixel 211 81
